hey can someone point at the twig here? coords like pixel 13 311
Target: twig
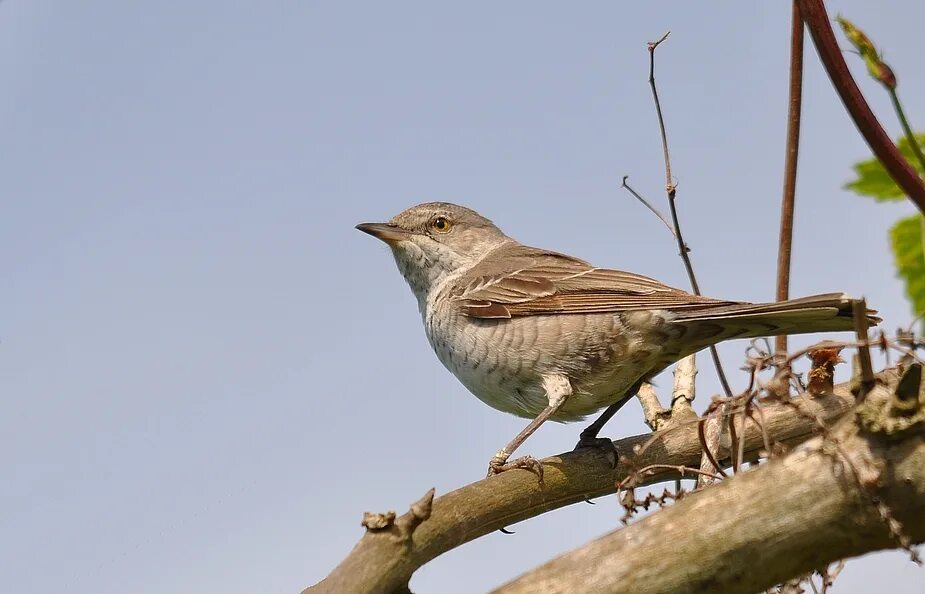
pixel 734 447
pixel 709 433
pixel 790 165
pixel 907 129
pixel 669 183
pixel 648 205
pixel 671 189
pixel 653 411
pixel 651 468
pixel 684 388
pixel 817 21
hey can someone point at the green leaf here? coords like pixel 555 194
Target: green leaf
pixel 906 239
pixel 874 181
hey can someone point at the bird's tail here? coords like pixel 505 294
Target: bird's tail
pixel 820 313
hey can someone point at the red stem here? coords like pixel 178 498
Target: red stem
pixel 817 21
pixel 790 164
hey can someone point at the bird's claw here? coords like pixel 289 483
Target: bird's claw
pixel 600 443
pixel 500 463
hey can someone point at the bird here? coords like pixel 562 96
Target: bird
pixel 547 336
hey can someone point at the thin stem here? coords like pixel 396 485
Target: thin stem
pixel 817 21
pixel 648 205
pixel 705 446
pixel 671 189
pixel 907 129
pixel 658 109
pixel 790 164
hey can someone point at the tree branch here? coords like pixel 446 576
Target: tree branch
pixel 383 563
pixel 858 488
pixel 817 21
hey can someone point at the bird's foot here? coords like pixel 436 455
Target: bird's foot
pixel 499 463
pixel 599 443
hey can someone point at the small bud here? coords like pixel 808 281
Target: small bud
pixel 877 68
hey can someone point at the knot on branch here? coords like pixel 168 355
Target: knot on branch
pixel 375 521
pixel 419 512
pixel 401 527
pixel 898 413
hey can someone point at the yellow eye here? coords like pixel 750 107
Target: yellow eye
pixel 441 225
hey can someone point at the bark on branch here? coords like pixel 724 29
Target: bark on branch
pixel 382 562
pixel 859 488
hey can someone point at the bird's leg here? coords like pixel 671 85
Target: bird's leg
pixel 589 438
pixel 558 389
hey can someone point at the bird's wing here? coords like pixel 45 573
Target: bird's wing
pixel 538 282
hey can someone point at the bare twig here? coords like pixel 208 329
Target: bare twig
pixel 684 389
pixel 648 205
pixel 709 432
pixel 631 505
pixel 669 182
pixel 736 445
pixel 652 468
pixel 822 372
pixel 790 165
pixel 653 411
pixel 817 21
pixel 671 189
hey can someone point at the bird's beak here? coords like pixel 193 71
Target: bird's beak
pixel 384 231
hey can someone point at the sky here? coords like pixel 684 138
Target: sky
pixel 207 374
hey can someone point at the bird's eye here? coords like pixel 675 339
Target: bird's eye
pixel 441 225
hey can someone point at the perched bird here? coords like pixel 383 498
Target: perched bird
pixel 543 335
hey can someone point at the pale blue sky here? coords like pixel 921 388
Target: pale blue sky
pixel 207 374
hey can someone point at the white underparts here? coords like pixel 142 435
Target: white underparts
pixel 558 388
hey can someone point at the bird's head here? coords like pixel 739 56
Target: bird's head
pixel 434 240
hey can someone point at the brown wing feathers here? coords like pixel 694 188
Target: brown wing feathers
pixel 540 282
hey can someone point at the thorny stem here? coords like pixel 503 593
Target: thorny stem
pixel 790 165
pixel 817 21
pixel 671 189
pixel 651 468
pixel 907 129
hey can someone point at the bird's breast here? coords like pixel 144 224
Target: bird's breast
pixel 502 361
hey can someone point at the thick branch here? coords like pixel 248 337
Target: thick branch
pixel 858 489
pixel 817 21
pixel 382 563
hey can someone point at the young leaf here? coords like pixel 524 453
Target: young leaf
pixel 874 181
pixel 906 239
